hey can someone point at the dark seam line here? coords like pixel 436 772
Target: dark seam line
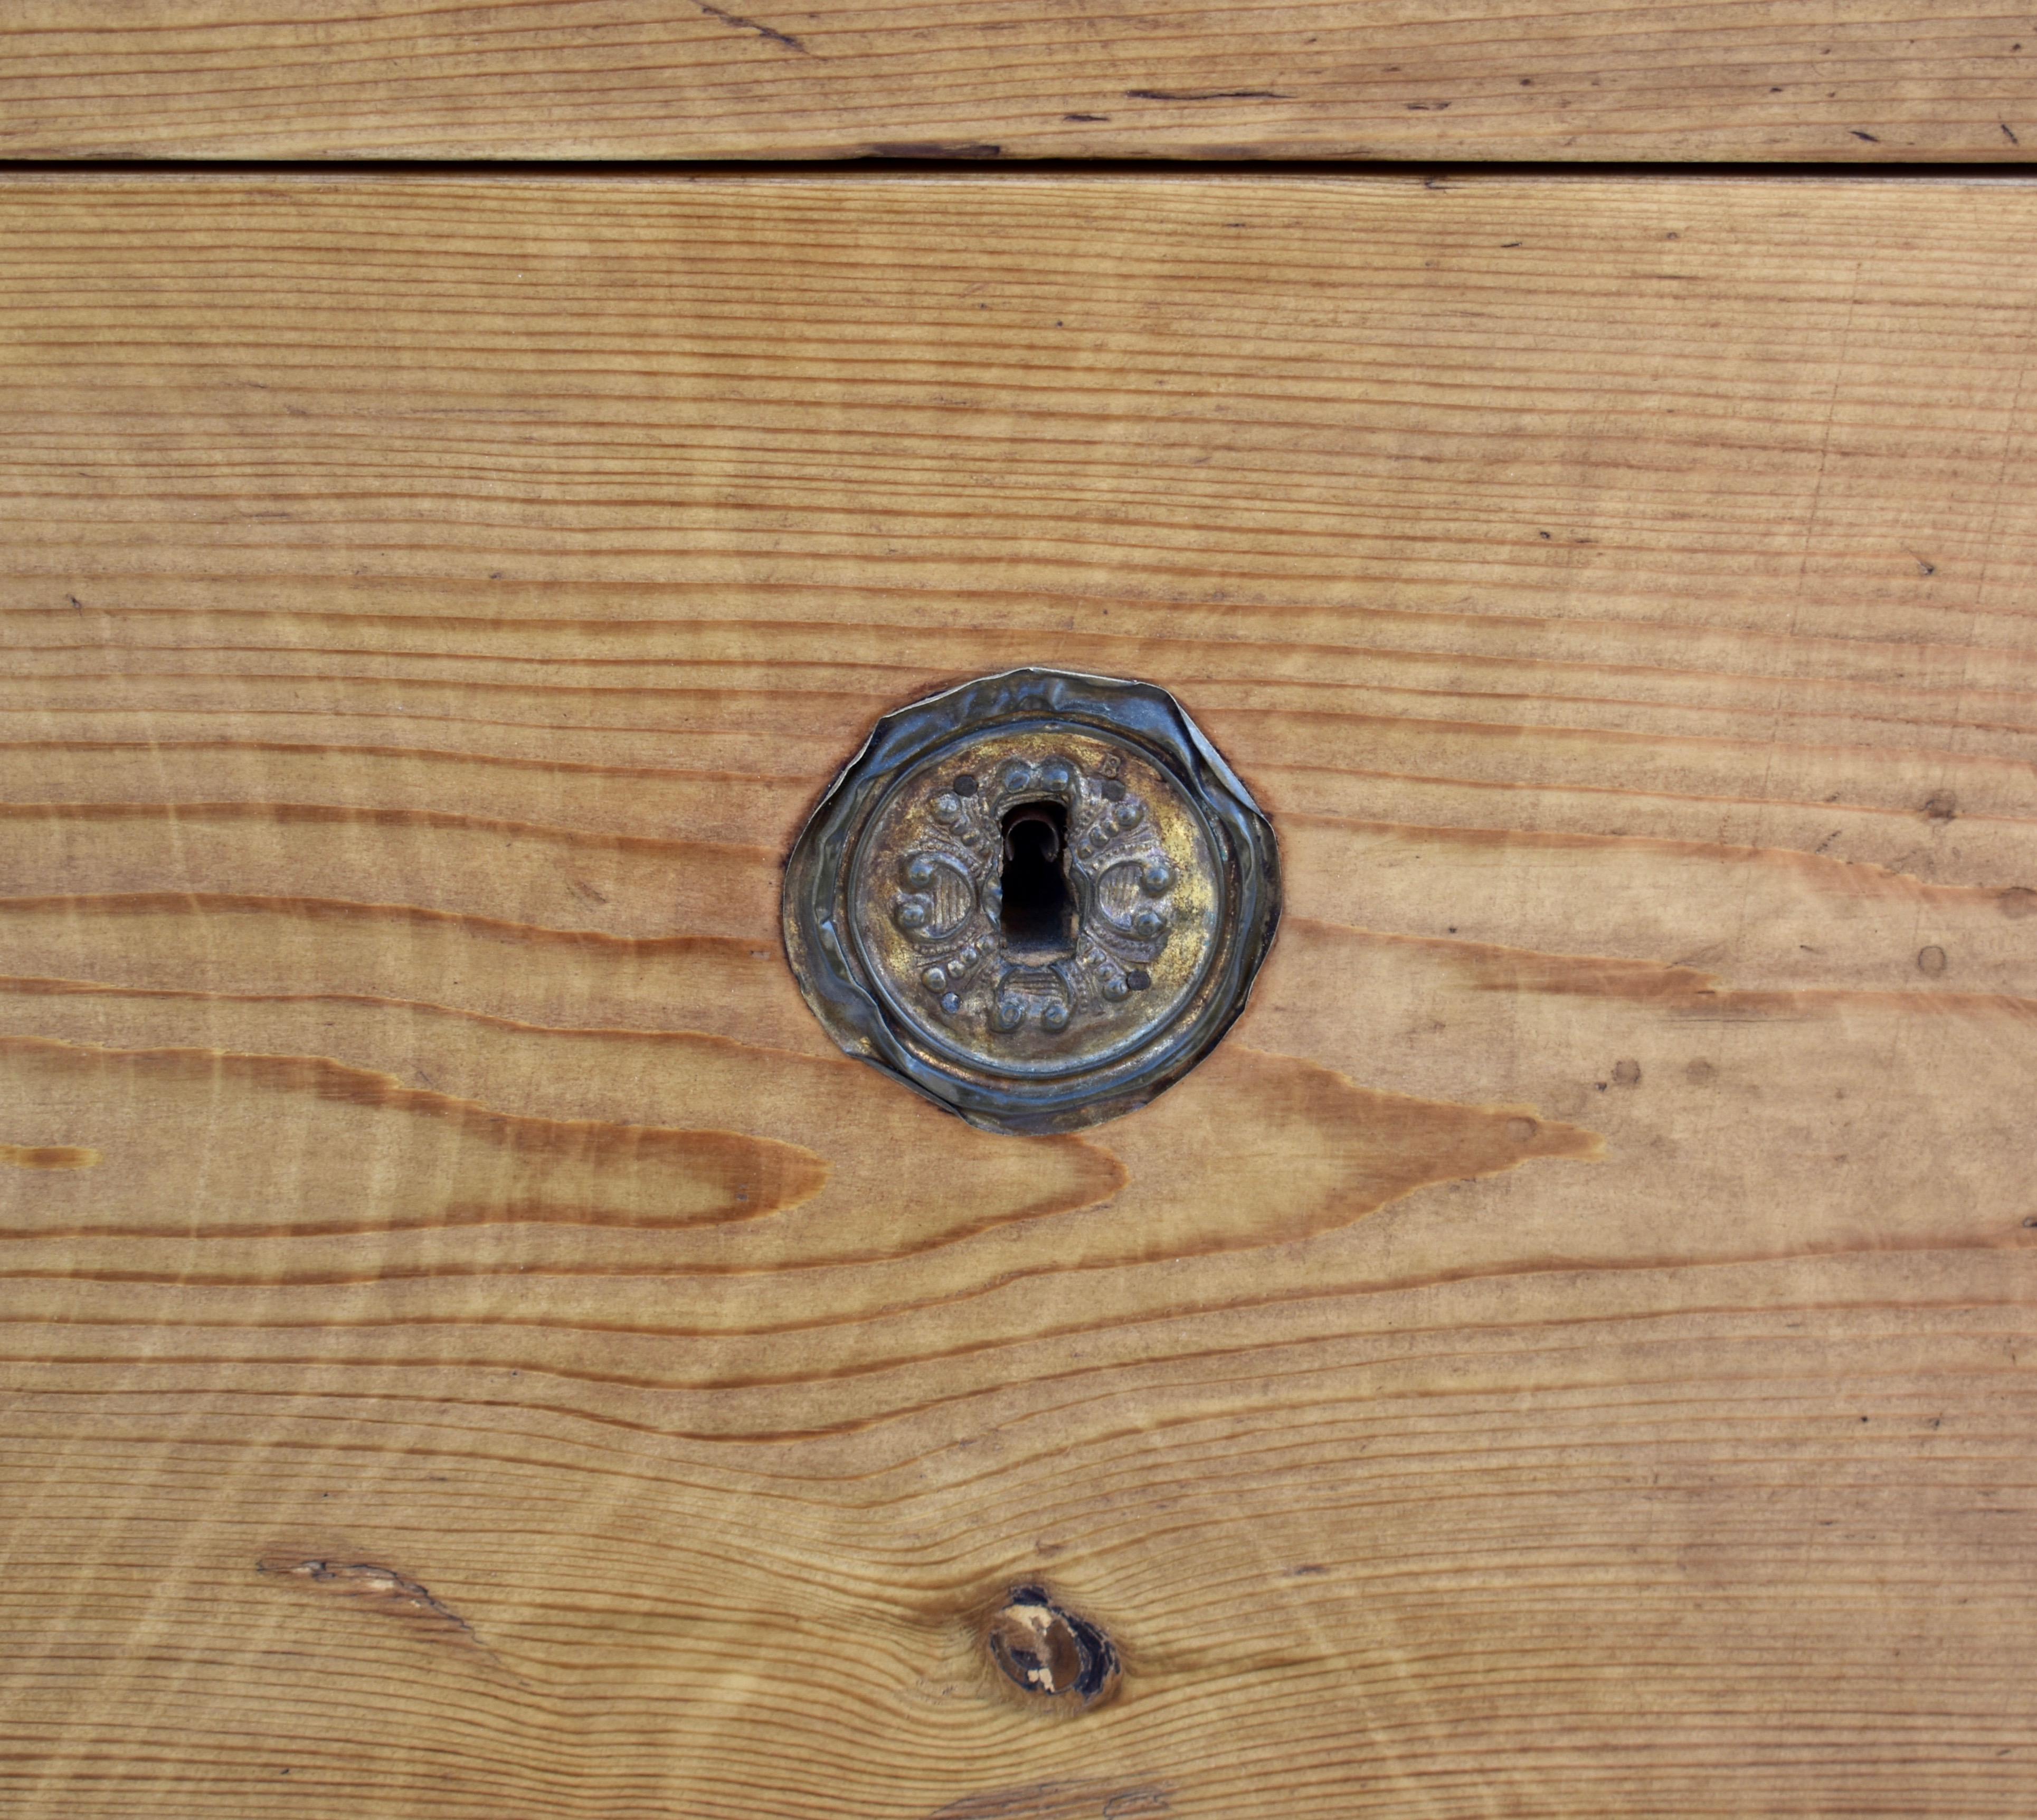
pixel 988 161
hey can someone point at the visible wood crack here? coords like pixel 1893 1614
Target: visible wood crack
pixel 382 1582
pixel 383 1589
pixel 1208 95
pixel 756 25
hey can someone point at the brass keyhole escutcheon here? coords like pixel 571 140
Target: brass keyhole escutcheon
pixel 1040 898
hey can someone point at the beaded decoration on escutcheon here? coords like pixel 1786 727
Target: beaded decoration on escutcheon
pixel 950 899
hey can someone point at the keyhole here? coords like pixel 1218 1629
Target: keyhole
pixel 1039 910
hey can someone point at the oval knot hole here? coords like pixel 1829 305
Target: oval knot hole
pixel 1048 1651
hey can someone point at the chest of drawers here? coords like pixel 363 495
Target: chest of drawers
pixel 475 1346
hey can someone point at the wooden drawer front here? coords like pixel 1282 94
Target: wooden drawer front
pixel 1832 81
pixel 477 1350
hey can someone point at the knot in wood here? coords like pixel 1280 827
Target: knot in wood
pixel 1050 1652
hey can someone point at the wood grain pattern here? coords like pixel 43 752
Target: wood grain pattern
pixel 472 1349
pixel 1839 81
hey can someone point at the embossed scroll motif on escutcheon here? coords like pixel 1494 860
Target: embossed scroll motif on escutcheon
pixel 1040 898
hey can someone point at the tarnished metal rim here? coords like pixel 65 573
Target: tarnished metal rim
pixel 824 960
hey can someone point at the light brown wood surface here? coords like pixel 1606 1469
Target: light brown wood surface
pixel 473 1349
pixel 1847 81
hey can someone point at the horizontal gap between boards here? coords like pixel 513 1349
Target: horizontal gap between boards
pixel 991 162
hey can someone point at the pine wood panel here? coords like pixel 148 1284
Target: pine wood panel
pixel 472 1349
pixel 1849 81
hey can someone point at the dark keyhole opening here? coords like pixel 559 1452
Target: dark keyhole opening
pixel 1039 910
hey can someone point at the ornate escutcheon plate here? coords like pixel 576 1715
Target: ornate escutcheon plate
pixel 1040 898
